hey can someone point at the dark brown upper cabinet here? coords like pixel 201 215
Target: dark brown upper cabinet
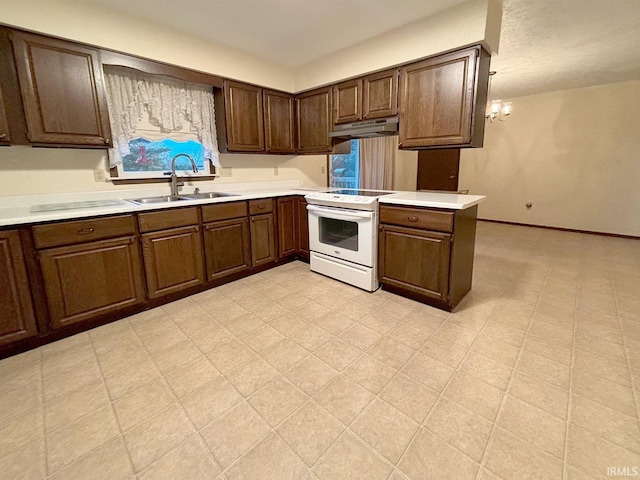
pixel 244 117
pixel 5 136
pixel 62 89
pixel 279 126
pixel 313 116
pixel 380 94
pixel 347 101
pixel 442 100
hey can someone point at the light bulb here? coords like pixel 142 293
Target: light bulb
pixel 495 107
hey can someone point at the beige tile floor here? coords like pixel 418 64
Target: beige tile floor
pixel 290 375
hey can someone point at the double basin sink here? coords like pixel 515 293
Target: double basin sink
pixel 180 198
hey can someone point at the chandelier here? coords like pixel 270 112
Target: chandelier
pixel 496 109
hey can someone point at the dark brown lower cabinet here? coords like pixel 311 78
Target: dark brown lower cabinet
pixel 287 226
pixel 293 227
pixel 91 279
pixel 173 260
pixel 302 226
pixel 227 246
pixel 427 254
pixel 17 320
pixel 263 239
pixel 426 269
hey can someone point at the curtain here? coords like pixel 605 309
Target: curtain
pixel 377 162
pixel 166 102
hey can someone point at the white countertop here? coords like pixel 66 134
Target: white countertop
pixel 452 201
pixel 23 209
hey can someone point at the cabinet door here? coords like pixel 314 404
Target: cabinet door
pixel 173 260
pixel 347 101
pixel 4 124
pixel 278 122
pixel 227 247
pixel 313 116
pixel 303 226
pixel 287 241
pixel 243 112
pixel 86 280
pixel 62 90
pixel 415 260
pixel 380 94
pixel 437 100
pixel 263 243
pixel 17 320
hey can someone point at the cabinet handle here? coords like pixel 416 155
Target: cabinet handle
pixel 86 231
pixel 253 219
pixel 412 219
pixel 262 206
pixel 107 141
pixel 197 229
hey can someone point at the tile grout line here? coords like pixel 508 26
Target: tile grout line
pixel 374 397
pixel 222 375
pixel 111 401
pixel 510 381
pixel 565 465
pixel 441 393
pixel 110 404
pixel 635 392
pixel 44 425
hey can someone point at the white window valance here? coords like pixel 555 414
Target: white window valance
pixel 164 102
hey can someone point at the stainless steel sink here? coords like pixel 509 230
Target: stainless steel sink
pixel 200 196
pixel 162 199
pixel 180 198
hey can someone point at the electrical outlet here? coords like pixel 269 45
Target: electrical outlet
pixel 99 175
pixel 226 172
pixel 322 169
pixel 275 171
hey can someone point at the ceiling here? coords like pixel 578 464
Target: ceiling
pixel 545 45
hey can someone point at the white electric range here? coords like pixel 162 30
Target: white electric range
pixel 343 235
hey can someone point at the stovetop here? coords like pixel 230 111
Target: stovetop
pixel 347 198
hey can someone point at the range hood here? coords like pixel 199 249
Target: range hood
pixel 367 128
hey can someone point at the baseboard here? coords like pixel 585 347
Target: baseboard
pixel 561 229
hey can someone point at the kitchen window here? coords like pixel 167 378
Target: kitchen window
pixel 154 118
pixel 344 168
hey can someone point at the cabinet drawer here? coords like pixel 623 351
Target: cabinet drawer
pixel 417 218
pixel 224 211
pixel 265 205
pixel 80 231
pixel 182 217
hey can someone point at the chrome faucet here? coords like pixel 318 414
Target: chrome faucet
pixel 174 179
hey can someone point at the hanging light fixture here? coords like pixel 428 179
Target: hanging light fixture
pixel 496 109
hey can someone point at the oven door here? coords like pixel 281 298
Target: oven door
pixel 343 233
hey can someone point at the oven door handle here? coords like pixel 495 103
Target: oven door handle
pixel 339 213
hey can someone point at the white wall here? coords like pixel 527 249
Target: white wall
pixel 90 23
pixel 574 154
pixel 473 22
pixel 26 170
pixel 405 173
